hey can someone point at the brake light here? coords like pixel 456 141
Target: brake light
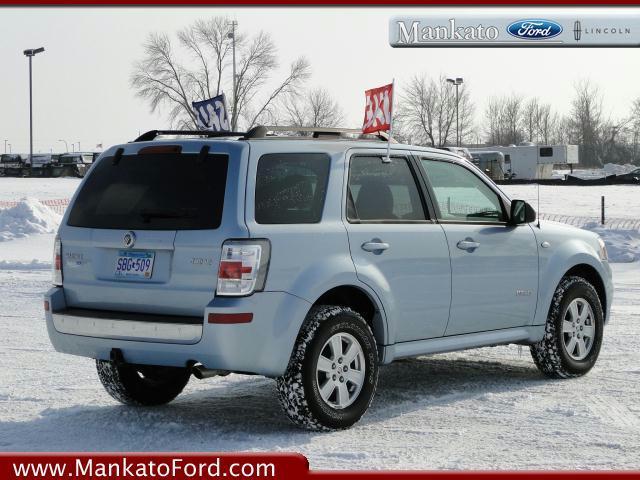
pixel 243 267
pixel 57 262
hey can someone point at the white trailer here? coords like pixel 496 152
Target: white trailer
pixel 534 162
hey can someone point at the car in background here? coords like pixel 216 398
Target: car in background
pixel 631 177
pixel 41 165
pixel 12 164
pixel 75 164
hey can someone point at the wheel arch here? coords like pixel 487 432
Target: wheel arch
pixel 591 275
pixel 361 301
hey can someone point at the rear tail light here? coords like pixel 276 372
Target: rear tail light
pixel 57 262
pixel 243 267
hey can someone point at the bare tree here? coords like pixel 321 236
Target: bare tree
pixel 586 122
pixel 504 119
pixel 315 108
pixel 427 111
pixel 466 109
pixel 531 113
pixel 165 81
pixel 634 130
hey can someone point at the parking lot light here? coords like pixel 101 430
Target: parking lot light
pixel 457 82
pixel 30 53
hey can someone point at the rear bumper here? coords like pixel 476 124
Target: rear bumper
pixel 262 346
pixel 123 326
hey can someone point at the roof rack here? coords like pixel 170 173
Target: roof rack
pixel 152 134
pixel 262 131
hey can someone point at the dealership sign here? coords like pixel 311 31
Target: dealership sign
pixel 509 28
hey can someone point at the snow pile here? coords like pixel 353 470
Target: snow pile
pixel 616 169
pixel 606 170
pixel 623 246
pixel 27 217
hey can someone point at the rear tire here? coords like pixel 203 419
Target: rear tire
pixel 573 332
pixel 327 385
pixel 142 385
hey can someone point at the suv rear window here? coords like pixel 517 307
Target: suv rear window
pixel 290 187
pixel 153 192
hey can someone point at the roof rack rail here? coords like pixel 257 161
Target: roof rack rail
pixel 152 134
pixel 261 131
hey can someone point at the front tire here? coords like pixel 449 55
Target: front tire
pixel 333 372
pixel 573 332
pixel 142 385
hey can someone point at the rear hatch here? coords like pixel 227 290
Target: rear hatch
pixel 144 233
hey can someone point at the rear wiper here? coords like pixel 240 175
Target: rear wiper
pixel 147 215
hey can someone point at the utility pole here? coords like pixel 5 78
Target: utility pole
pixel 232 36
pixel 30 53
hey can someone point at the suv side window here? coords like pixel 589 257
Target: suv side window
pixel 380 191
pixel 460 194
pixel 291 187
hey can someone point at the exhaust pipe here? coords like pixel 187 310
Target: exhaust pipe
pixel 201 373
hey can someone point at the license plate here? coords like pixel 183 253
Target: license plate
pixel 134 264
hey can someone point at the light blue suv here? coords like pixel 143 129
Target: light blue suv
pixel 311 260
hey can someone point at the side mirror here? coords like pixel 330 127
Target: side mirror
pixel 521 212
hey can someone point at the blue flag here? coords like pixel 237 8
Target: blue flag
pixel 212 114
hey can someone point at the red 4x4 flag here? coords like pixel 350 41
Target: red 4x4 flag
pixel 378 110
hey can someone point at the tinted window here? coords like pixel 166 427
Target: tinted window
pixel 153 192
pixel 290 187
pixel 380 191
pixel 461 195
pixel 546 152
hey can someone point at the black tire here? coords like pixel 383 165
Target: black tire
pixel 550 354
pixel 142 385
pixel 298 389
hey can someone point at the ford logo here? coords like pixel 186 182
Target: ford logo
pixel 534 29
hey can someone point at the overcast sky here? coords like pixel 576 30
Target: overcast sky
pixel 82 94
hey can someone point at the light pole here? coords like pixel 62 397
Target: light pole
pixel 457 82
pixel 9 148
pixel 30 53
pixel 66 145
pixel 232 36
pixel 78 145
pixel 5 146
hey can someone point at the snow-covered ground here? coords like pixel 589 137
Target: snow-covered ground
pixel 480 409
pixel 621 201
pixel 40 188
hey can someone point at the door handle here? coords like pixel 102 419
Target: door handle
pixel 375 246
pixel 468 244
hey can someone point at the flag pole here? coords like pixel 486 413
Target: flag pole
pixel 390 133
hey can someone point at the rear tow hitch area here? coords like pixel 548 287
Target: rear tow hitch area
pixel 202 373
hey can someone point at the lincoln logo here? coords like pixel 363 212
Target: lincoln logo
pixel 577 30
pixel 129 239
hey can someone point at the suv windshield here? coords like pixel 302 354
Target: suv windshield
pixel 153 192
